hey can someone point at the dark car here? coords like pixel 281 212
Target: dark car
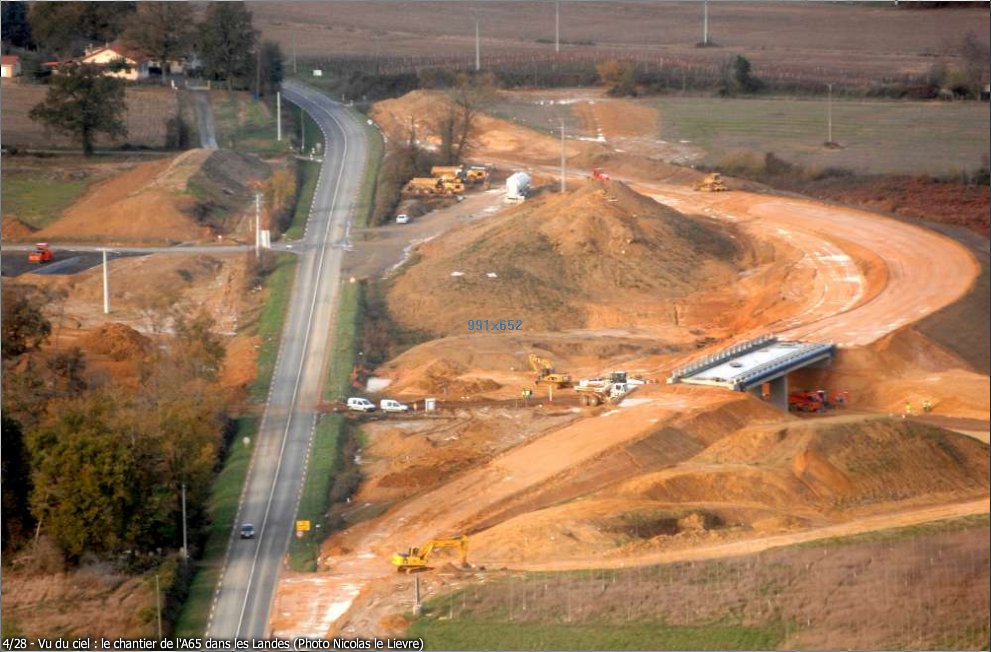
pixel 247 531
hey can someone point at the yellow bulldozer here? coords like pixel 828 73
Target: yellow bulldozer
pixel 545 372
pixel 711 183
pixel 416 558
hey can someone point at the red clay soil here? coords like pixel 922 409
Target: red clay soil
pixel 944 202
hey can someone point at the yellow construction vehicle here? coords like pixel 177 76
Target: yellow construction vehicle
pixel 451 187
pixel 477 174
pixel 597 393
pixel 432 186
pixel 711 183
pixel 448 172
pixel 416 558
pixel 545 372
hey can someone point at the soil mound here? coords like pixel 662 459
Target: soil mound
pixel 596 257
pixel 492 137
pixel 161 200
pixel 14 229
pixel 118 341
pixel 829 465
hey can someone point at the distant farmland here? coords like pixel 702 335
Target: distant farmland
pixel 148 112
pixel 877 136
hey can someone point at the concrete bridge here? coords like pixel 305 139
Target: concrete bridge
pixel 749 366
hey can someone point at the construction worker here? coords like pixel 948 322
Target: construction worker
pixel 908 409
pixel 927 407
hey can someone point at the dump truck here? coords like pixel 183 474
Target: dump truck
pixel 416 558
pixel 448 172
pixel 711 183
pixel 432 186
pixel 41 254
pixel 597 393
pixel 545 372
pixel 599 174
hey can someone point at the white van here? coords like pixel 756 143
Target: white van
pixel 361 405
pixel 388 405
pixel 402 218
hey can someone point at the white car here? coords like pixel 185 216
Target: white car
pixel 389 405
pixel 402 218
pixel 361 405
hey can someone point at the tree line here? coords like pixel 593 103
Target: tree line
pixel 95 465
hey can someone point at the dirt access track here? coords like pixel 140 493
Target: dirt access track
pixel 864 277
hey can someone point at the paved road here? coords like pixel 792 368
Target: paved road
pixel 244 595
pixel 204 118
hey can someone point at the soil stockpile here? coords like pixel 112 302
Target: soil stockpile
pixel 830 465
pixel 598 256
pixel 118 341
pixel 163 200
pixel 768 478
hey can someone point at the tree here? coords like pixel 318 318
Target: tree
pixel 66 26
pixel 24 327
pixel 737 78
pixel 16 485
pixel 82 102
pixel 227 42
pixel 87 476
pixel 162 30
pixel 456 126
pixel 15 26
pixel 270 74
pixel 619 75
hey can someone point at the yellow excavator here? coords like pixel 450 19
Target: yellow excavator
pixel 545 372
pixel 416 558
pixel 711 183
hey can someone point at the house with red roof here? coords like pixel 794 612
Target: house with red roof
pixel 11 66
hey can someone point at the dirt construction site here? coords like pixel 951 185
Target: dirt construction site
pixel 642 273
pixel 578 513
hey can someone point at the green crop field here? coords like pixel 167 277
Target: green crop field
pixel 874 136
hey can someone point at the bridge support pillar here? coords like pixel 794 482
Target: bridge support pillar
pixel 774 392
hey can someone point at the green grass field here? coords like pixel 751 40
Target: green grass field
pixel 475 635
pixel 270 322
pixel 38 201
pixel 875 136
pixel 309 173
pixel 320 470
pixel 248 126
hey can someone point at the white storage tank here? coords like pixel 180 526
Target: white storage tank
pixel 517 186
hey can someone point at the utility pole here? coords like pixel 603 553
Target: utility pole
pixel 158 605
pixel 302 131
pixel 294 53
pixel 106 285
pixel 829 115
pixel 478 55
pixel 557 26
pixel 185 548
pixel 563 183
pixel 258 235
pixel 278 115
pixel 705 23
pixel 258 75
